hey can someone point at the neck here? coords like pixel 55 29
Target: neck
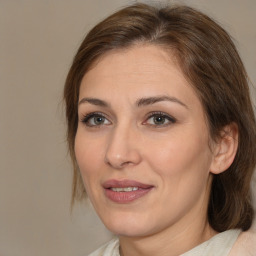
pixel 167 242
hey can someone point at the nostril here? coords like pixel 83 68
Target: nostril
pixel 126 163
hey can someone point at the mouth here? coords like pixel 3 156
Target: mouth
pixel 128 189
pixel 125 191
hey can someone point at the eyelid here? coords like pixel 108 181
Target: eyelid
pixel 163 114
pixel 86 117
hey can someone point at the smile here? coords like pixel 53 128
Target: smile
pixel 129 189
pixel 125 191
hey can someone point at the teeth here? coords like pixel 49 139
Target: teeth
pixel 128 189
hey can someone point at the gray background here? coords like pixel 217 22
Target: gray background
pixel 38 39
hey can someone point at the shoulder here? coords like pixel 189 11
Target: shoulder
pixel 109 249
pixel 245 244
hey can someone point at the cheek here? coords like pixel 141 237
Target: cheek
pixel 183 173
pixel 89 156
pixel 181 158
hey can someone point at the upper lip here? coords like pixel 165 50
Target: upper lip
pixel 124 184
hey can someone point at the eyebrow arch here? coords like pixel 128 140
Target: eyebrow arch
pixel 152 100
pixel 140 102
pixel 93 101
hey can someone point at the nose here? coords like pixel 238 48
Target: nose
pixel 122 149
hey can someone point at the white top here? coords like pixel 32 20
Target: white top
pixel 219 245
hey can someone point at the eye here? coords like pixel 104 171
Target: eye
pixel 95 119
pixel 159 119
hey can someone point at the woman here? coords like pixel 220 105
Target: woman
pixel 162 132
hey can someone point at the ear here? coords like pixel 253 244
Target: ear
pixel 225 149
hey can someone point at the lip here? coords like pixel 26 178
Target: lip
pixel 125 197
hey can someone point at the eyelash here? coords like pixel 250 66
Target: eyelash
pixel 171 120
pixel 86 119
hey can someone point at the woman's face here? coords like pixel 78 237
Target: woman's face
pixel 142 143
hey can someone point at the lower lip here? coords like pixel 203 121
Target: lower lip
pixel 125 197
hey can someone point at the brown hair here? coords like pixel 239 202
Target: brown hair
pixel 210 61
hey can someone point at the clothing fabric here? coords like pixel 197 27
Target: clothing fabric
pixel 219 245
pixel 246 243
pixel 109 249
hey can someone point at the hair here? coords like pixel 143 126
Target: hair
pixel 211 63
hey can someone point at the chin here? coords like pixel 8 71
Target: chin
pixel 128 231
pixel 130 226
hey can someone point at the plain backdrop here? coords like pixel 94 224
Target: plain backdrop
pixel 38 39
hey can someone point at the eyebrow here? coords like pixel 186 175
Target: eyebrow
pixel 140 102
pixel 153 100
pixel 94 101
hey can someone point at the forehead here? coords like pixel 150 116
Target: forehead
pixel 135 59
pixel 140 70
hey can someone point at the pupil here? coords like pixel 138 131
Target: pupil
pixel 98 120
pixel 159 120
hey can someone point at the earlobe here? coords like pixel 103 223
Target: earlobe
pixel 225 149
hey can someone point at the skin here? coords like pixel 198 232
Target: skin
pixel 174 156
